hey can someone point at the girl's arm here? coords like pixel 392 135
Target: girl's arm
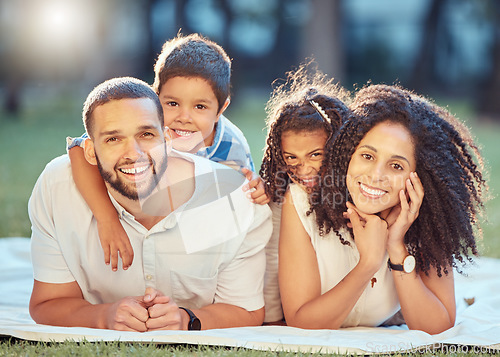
pixel 299 279
pixel 427 302
pixel 113 237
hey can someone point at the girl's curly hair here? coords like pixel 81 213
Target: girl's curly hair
pixel 290 108
pixel 449 166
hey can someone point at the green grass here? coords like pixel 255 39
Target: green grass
pixel 90 349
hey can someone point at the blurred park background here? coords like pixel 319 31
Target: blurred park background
pixel 53 52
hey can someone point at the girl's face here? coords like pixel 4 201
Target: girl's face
pixel 303 152
pixel 379 168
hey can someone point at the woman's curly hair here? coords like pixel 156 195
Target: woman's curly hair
pixel 449 166
pixel 290 108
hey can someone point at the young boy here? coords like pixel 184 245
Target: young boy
pixel 192 80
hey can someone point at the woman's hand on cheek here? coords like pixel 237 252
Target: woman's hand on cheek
pixel 370 235
pixel 402 216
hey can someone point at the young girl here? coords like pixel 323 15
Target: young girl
pixel 302 114
pixel 399 248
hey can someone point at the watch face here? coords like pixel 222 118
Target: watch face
pixel 409 264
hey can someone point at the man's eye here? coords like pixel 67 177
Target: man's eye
pixel 110 140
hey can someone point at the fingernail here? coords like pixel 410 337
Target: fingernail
pixel 349 210
pixel 245 188
pixel 115 269
pixel 249 195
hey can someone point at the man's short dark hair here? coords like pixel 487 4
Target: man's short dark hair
pixel 195 56
pixel 116 89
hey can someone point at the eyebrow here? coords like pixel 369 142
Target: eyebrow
pixel 392 157
pixel 175 98
pixel 310 152
pixel 141 128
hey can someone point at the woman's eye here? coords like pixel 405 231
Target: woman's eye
pixel 367 156
pixel 316 155
pixel 397 167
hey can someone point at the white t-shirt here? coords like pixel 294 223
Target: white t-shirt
pixel 210 250
pixel 377 303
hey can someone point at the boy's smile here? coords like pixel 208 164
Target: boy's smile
pixel 191 112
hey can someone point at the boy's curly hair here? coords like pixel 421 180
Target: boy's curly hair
pixel 290 109
pixel 195 56
pixel 449 166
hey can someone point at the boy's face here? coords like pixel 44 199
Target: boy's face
pixel 191 111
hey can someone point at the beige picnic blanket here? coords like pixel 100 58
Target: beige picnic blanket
pixel 477 327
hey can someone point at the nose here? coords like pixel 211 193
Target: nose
pixel 303 168
pixel 133 150
pixel 184 115
pixel 378 173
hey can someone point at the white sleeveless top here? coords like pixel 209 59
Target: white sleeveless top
pixel 377 303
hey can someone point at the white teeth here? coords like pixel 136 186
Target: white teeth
pixel 183 132
pixel 135 170
pixel 372 191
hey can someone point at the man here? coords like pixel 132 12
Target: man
pixel 199 245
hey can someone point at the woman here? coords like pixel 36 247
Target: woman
pixel 375 243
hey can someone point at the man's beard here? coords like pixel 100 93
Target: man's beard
pixel 130 191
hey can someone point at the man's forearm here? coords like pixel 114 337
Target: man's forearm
pixel 225 316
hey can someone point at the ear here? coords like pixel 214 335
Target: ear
pixel 168 139
pixel 89 152
pixel 224 107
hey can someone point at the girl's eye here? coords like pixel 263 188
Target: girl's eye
pixel 317 155
pixel 290 159
pixel 172 104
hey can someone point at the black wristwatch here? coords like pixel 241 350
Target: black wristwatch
pixel 194 322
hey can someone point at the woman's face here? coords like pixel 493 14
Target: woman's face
pixel 380 167
pixel 303 152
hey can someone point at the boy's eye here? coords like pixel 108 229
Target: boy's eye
pixel 172 104
pixel 200 106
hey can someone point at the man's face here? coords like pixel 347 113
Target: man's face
pixel 129 146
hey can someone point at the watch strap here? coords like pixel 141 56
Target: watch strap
pixel 397 267
pixel 194 322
